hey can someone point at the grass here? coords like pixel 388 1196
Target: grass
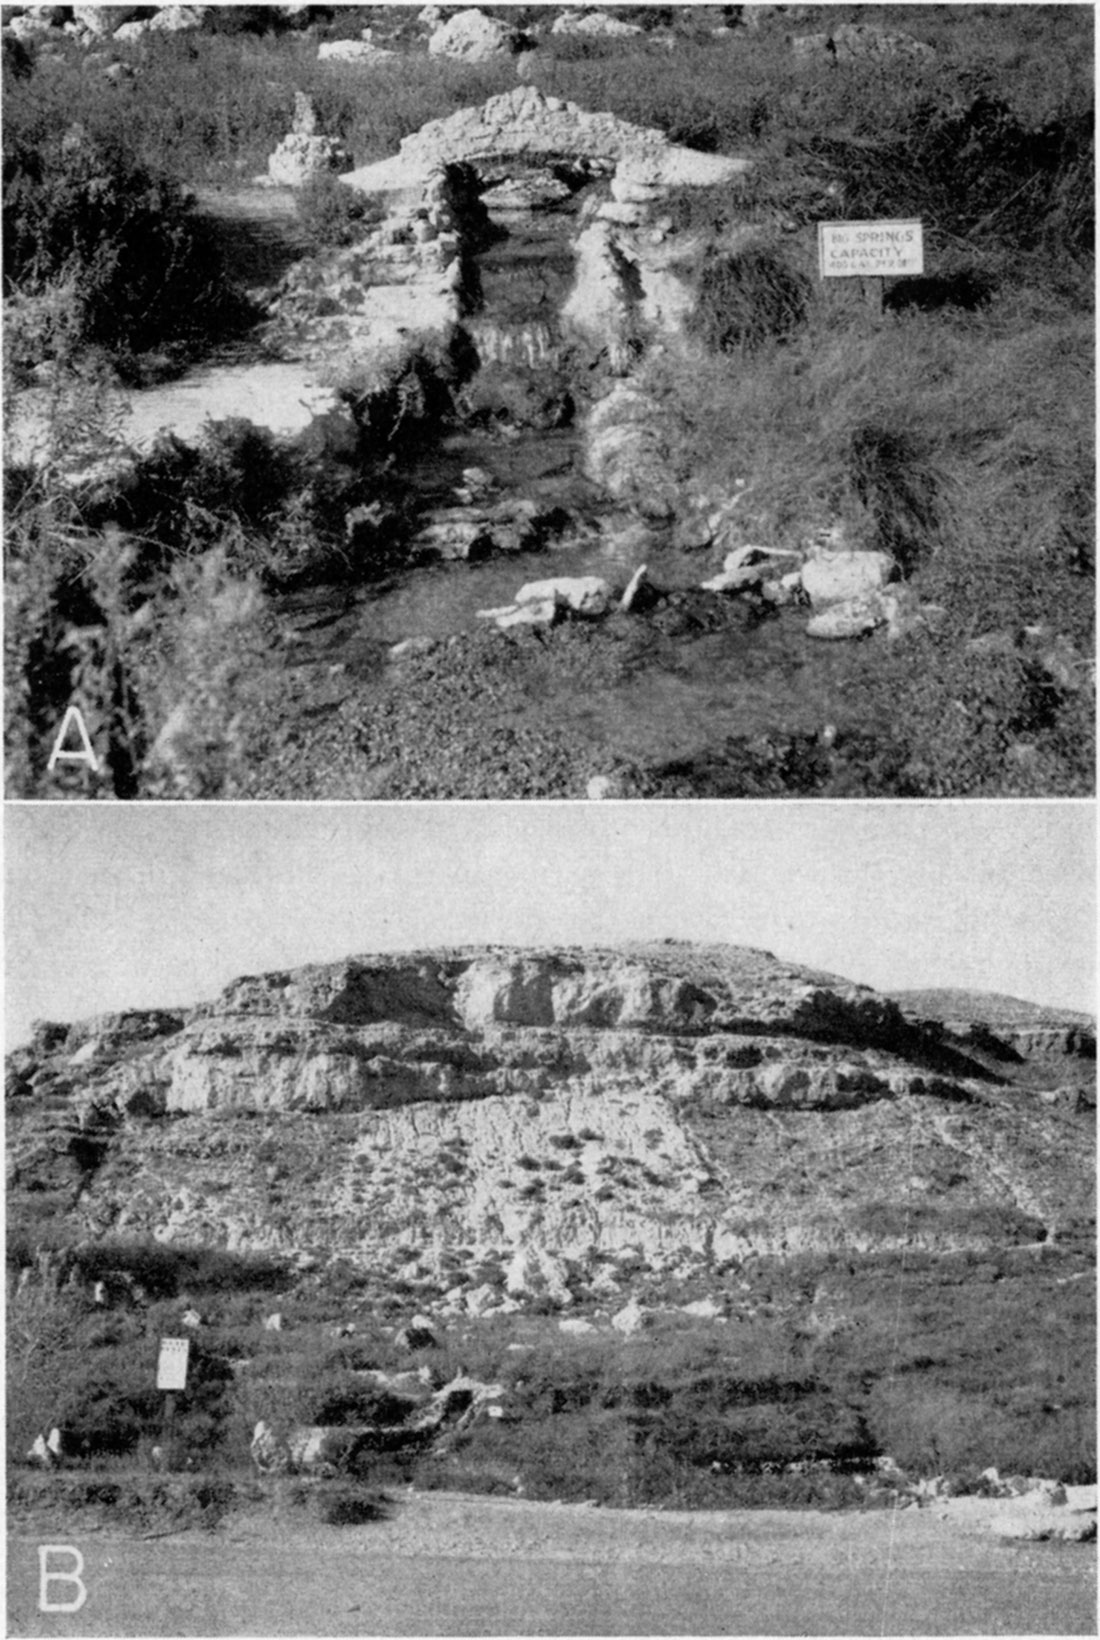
pixel 947 1363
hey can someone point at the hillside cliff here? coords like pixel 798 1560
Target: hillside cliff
pixel 543 1121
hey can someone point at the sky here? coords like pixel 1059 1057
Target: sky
pixel 138 906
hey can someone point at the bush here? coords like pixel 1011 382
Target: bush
pixel 894 478
pixel 349 1505
pixel 746 300
pixel 332 214
pixel 164 1270
pixel 106 1416
pixel 342 1398
pixel 139 270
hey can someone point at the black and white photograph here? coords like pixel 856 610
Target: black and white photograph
pixel 645 1219
pixel 558 402
pixel 549 820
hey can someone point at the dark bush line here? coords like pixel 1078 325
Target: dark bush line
pixel 163 1270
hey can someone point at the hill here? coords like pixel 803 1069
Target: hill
pixel 801 1203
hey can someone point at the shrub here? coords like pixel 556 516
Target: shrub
pixel 343 1398
pixel 894 478
pixel 332 214
pixel 164 1270
pixel 748 299
pixel 107 1415
pixel 349 1505
pixel 139 270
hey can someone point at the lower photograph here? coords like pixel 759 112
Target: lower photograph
pixel 550 1219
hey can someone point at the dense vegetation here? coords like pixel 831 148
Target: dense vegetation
pixel 954 429
pixel 946 1364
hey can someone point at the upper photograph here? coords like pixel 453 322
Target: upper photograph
pixel 548 401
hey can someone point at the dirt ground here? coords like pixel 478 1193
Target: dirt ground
pixel 448 1564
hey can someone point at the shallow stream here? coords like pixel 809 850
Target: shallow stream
pixel 687 681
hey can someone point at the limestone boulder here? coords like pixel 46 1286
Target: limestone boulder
pixel 27 28
pixel 507 617
pixel 630 1319
pixel 834 577
pixel 854 42
pixel 707 1309
pixel 104 20
pixel 179 19
pixel 305 152
pixel 747 566
pixel 542 603
pixel 361 52
pixel 639 593
pixel 850 618
pixel 593 22
pixel 298 159
pixel 581 594
pixel 318 1449
pixel 474 38
pixel 480 1299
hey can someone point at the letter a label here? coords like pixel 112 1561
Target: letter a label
pixel 46 1577
pixel 73 715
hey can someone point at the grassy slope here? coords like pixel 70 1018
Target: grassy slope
pixel 947 1364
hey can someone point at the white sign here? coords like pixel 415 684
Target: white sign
pixel 869 249
pixel 172 1363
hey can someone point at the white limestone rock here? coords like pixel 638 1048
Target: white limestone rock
pixel 630 1319
pixel 473 37
pixel 582 594
pixel 593 22
pixel 179 19
pixel 363 53
pixel 834 577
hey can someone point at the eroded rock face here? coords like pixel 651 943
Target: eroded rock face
pixel 558 1112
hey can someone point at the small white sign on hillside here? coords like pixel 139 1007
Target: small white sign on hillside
pixel 868 250
pixel 172 1363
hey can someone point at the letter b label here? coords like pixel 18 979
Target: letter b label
pixel 46 1577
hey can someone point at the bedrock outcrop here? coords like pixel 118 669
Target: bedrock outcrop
pixel 448 1113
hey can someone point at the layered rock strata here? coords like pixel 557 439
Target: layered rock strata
pixel 546 1119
